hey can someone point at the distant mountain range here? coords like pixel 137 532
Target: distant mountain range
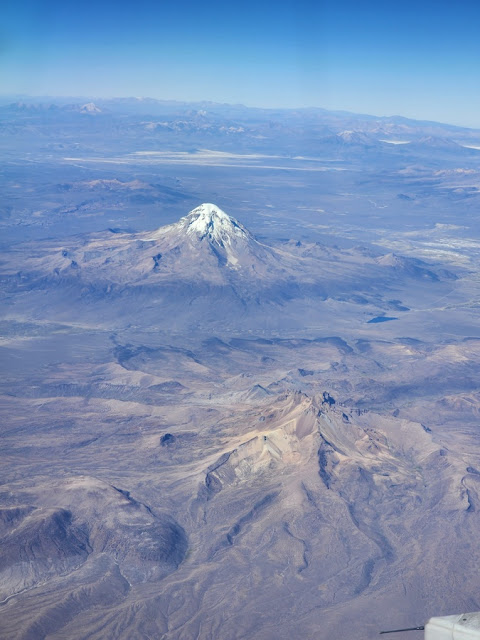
pixel 332 127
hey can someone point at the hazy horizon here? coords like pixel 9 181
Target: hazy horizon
pixel 73 99
pixel 415 61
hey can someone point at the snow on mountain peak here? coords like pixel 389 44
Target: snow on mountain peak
pixel 354 137
pixel 208 231
pixel 209 221
pixel 90 107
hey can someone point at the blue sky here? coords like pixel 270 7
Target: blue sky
pixel 419 59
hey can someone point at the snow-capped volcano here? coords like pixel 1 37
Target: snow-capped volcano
pixel 209 221
pixel 90 107
pixel 205 246
pixel 207 232
pixel 226 237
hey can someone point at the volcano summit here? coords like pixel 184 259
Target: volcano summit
pixel 209 221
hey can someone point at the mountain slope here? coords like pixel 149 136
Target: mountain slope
pixel 208 268
pixel 206 245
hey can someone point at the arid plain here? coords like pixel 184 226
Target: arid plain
pixel 252 419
